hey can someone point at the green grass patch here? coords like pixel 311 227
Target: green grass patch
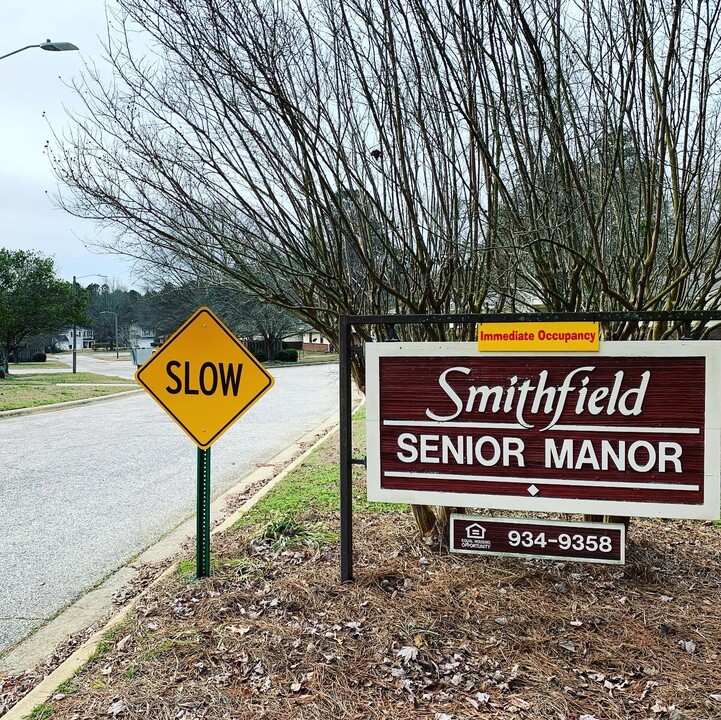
pixel 99 651
pixel 360 503
pixel 35 390
pixel 110 355
pixel 108 637
pixel 67 688
pixel 315 485
pixel 46 364
pixel 41 712
pixel 186 568
pixel 309 358
pixel 67 378
pixel 285 533
pixel 317 357
pixel 308 486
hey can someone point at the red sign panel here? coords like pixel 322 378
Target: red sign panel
pixel 604 430
pixel 589 542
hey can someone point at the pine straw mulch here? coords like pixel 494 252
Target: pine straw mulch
pixel 419 634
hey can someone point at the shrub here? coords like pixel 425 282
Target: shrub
pixel 39 357
pixel 290 355
pixel 11 358
pixel 260 355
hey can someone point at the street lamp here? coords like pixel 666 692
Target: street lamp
pixel 75 327
pixel 110 312
pixel 47 45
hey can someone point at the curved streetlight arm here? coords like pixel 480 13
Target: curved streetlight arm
pixel 47 45
pixel 14 52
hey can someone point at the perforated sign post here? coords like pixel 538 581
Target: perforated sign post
pixel 205 379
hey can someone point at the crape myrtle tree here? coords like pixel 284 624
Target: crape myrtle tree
pixel 32 300
pixel 412 156
pixel 611 116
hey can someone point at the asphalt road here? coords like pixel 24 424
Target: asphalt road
pixel 87 488
pixel 88 361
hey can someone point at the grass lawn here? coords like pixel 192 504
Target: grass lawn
pixel 311 357
pixel 39 365
pixel 25 391
pixel 110 355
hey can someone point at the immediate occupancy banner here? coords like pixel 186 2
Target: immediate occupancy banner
pixel 631 430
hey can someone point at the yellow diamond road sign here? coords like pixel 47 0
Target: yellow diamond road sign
pixel 204 378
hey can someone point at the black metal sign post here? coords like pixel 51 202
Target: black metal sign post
pixel 682 318
pixel 346 453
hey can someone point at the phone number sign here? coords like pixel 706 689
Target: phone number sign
pixel 552 539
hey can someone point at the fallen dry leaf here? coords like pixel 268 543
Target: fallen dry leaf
pixel 408 653
pixel 117 707
pixel 122 643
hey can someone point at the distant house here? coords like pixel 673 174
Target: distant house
pixel 311 340
pixel 141 337
pixel 82 340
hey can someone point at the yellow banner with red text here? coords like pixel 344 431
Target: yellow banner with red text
pixel 538 337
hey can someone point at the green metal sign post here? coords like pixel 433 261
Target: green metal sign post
pixel 202 562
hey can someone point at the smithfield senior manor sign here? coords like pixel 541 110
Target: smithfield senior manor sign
pixel 632 430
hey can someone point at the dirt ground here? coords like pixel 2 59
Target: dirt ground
pixel 420 633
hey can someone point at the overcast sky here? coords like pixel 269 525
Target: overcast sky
pixel 32 83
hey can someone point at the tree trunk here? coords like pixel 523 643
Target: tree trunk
pixel 425 519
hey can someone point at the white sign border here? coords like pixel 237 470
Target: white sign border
pixel 709 510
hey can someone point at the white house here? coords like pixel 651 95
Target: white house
pixel 141 337
pixel 82 340
pixel 311 341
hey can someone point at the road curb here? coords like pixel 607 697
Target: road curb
pixel 45 689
